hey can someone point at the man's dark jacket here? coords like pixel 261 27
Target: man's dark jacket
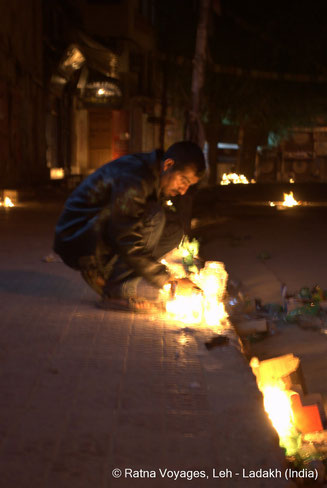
pixel 108 208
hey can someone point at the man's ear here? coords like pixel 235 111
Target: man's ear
pixel 168 163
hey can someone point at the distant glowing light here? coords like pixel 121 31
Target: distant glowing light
pixel 289 200
pixel 234 178
pixel 103 90
pixel 7 203
pixel 57 173
pixel 224 145
pixel 291 180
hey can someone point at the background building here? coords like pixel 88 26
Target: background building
pixel 85 81
pixel 106 86
pixel 22 137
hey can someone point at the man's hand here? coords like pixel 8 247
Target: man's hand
pixel 183 286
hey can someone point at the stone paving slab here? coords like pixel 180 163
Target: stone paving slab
pixel 84 391
pixel 294 242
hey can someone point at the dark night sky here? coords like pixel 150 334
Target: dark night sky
pixel 288 36
pixel 285 36
pixel 279 38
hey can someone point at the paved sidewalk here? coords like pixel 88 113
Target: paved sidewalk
pixel 295 243
pixel 84 391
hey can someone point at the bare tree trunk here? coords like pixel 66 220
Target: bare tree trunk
pixel 195 130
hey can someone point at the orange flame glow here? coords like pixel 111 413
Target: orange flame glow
pixel 277 404
pixel 289 200
pixel 7 203
pixel 205 307
pixel 234 178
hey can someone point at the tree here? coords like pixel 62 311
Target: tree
pixel 264 70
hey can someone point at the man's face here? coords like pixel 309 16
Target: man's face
pixel 177 182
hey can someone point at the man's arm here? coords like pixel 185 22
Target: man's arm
pixel 124 230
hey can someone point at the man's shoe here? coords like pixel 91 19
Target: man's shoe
pixel 136 305
pixel 94 280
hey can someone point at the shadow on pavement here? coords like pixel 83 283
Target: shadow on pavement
pixel 36 284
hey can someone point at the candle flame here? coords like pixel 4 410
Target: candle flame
pixel 289 200
pixel 278 405
pixel 234 178
pixel 7 203
pixel 203 306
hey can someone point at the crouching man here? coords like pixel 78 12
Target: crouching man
pixel 113 227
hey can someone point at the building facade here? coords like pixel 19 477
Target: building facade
pixel 22 138
pixel 109 80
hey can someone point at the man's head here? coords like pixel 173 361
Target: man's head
pixel 183 165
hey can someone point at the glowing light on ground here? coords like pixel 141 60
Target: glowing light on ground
pixel 289 200
pixel 57 173
pixel 277 404
pixel 234 178
pixel 204 306
pixel 7 203
pixel 213 311
pixel 187 309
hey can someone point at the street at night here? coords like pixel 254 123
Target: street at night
pixel 89 390
pixel 163 286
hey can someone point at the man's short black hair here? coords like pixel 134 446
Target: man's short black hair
pixel 187 153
